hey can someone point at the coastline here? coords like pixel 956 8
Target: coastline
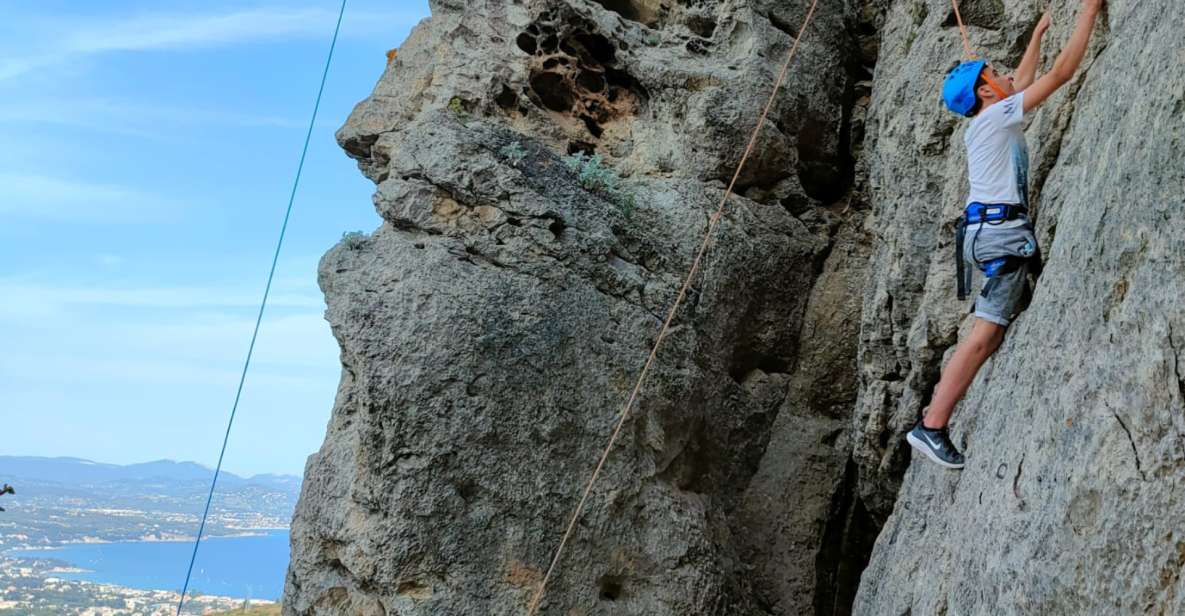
pixel 247 532
pixel 230 573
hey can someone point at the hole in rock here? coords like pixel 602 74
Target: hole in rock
pixel 527 43
pixel 598 48
pixel 552 91
pixel 574 73
pixel 702 25
pixel 557 228
pixel 506 99
pixel 581 147
pixel 611 587
pixel 592 126
pixel 591 81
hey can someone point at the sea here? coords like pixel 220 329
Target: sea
pixel 241 567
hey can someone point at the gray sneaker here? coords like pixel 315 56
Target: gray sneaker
pixel 936 445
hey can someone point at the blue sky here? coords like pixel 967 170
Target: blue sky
pixel 146 154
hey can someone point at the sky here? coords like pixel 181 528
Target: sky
pixel 147 151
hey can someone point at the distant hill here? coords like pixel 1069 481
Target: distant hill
pixel 60 500
pixel 78 472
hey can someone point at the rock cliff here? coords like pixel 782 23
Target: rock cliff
pixel 545 170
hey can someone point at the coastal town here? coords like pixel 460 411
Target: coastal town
pixel 45 515
pixel 32 587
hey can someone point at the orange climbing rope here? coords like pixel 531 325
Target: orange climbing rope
pixel 967 52
pixel 713 222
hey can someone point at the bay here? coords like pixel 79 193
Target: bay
pixel 242 567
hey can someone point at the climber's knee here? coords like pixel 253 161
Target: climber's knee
pixel 985 338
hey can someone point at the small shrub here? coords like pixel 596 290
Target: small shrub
pixel 627 202
pixel 515 152
pixel 457 106
pixel 594 176
pixel 354 239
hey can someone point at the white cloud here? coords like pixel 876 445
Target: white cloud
pixel 130 117
pixel 24 298
pixel 150 32
pixel 160 335
pixel 71 39
pixel 57 199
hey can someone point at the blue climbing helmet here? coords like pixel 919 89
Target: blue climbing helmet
pixel 959 88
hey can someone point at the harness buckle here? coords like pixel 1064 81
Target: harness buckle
pixel 993 212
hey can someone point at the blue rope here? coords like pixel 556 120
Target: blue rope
pixel 262 305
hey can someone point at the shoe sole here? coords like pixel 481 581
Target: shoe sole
pixel 922 447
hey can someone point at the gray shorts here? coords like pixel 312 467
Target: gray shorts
pixel 1000 299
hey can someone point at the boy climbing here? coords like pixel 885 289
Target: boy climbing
pixel 995 232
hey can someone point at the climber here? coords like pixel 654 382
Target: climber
pixel 995 231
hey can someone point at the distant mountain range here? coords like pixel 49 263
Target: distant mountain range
pixel 63 500
pixel 80 472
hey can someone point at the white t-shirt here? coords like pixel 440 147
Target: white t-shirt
pixel 997 154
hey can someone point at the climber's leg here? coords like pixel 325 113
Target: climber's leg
pixel 984 339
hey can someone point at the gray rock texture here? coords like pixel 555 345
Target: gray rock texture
pixel 1074 432
pixel 492 327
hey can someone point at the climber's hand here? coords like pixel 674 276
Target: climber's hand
pixel 1092 6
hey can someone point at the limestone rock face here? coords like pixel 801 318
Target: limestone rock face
pixel 492 327
pixel 1074 432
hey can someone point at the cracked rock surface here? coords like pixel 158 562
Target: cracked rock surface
pixel 1075 432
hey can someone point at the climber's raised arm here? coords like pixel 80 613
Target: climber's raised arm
pixel 1027 71
pixel 1068 60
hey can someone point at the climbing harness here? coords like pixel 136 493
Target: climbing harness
pixel 986 215
pixel 262 305
pixel 981 214
pixel 713 223
pixel 994 213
